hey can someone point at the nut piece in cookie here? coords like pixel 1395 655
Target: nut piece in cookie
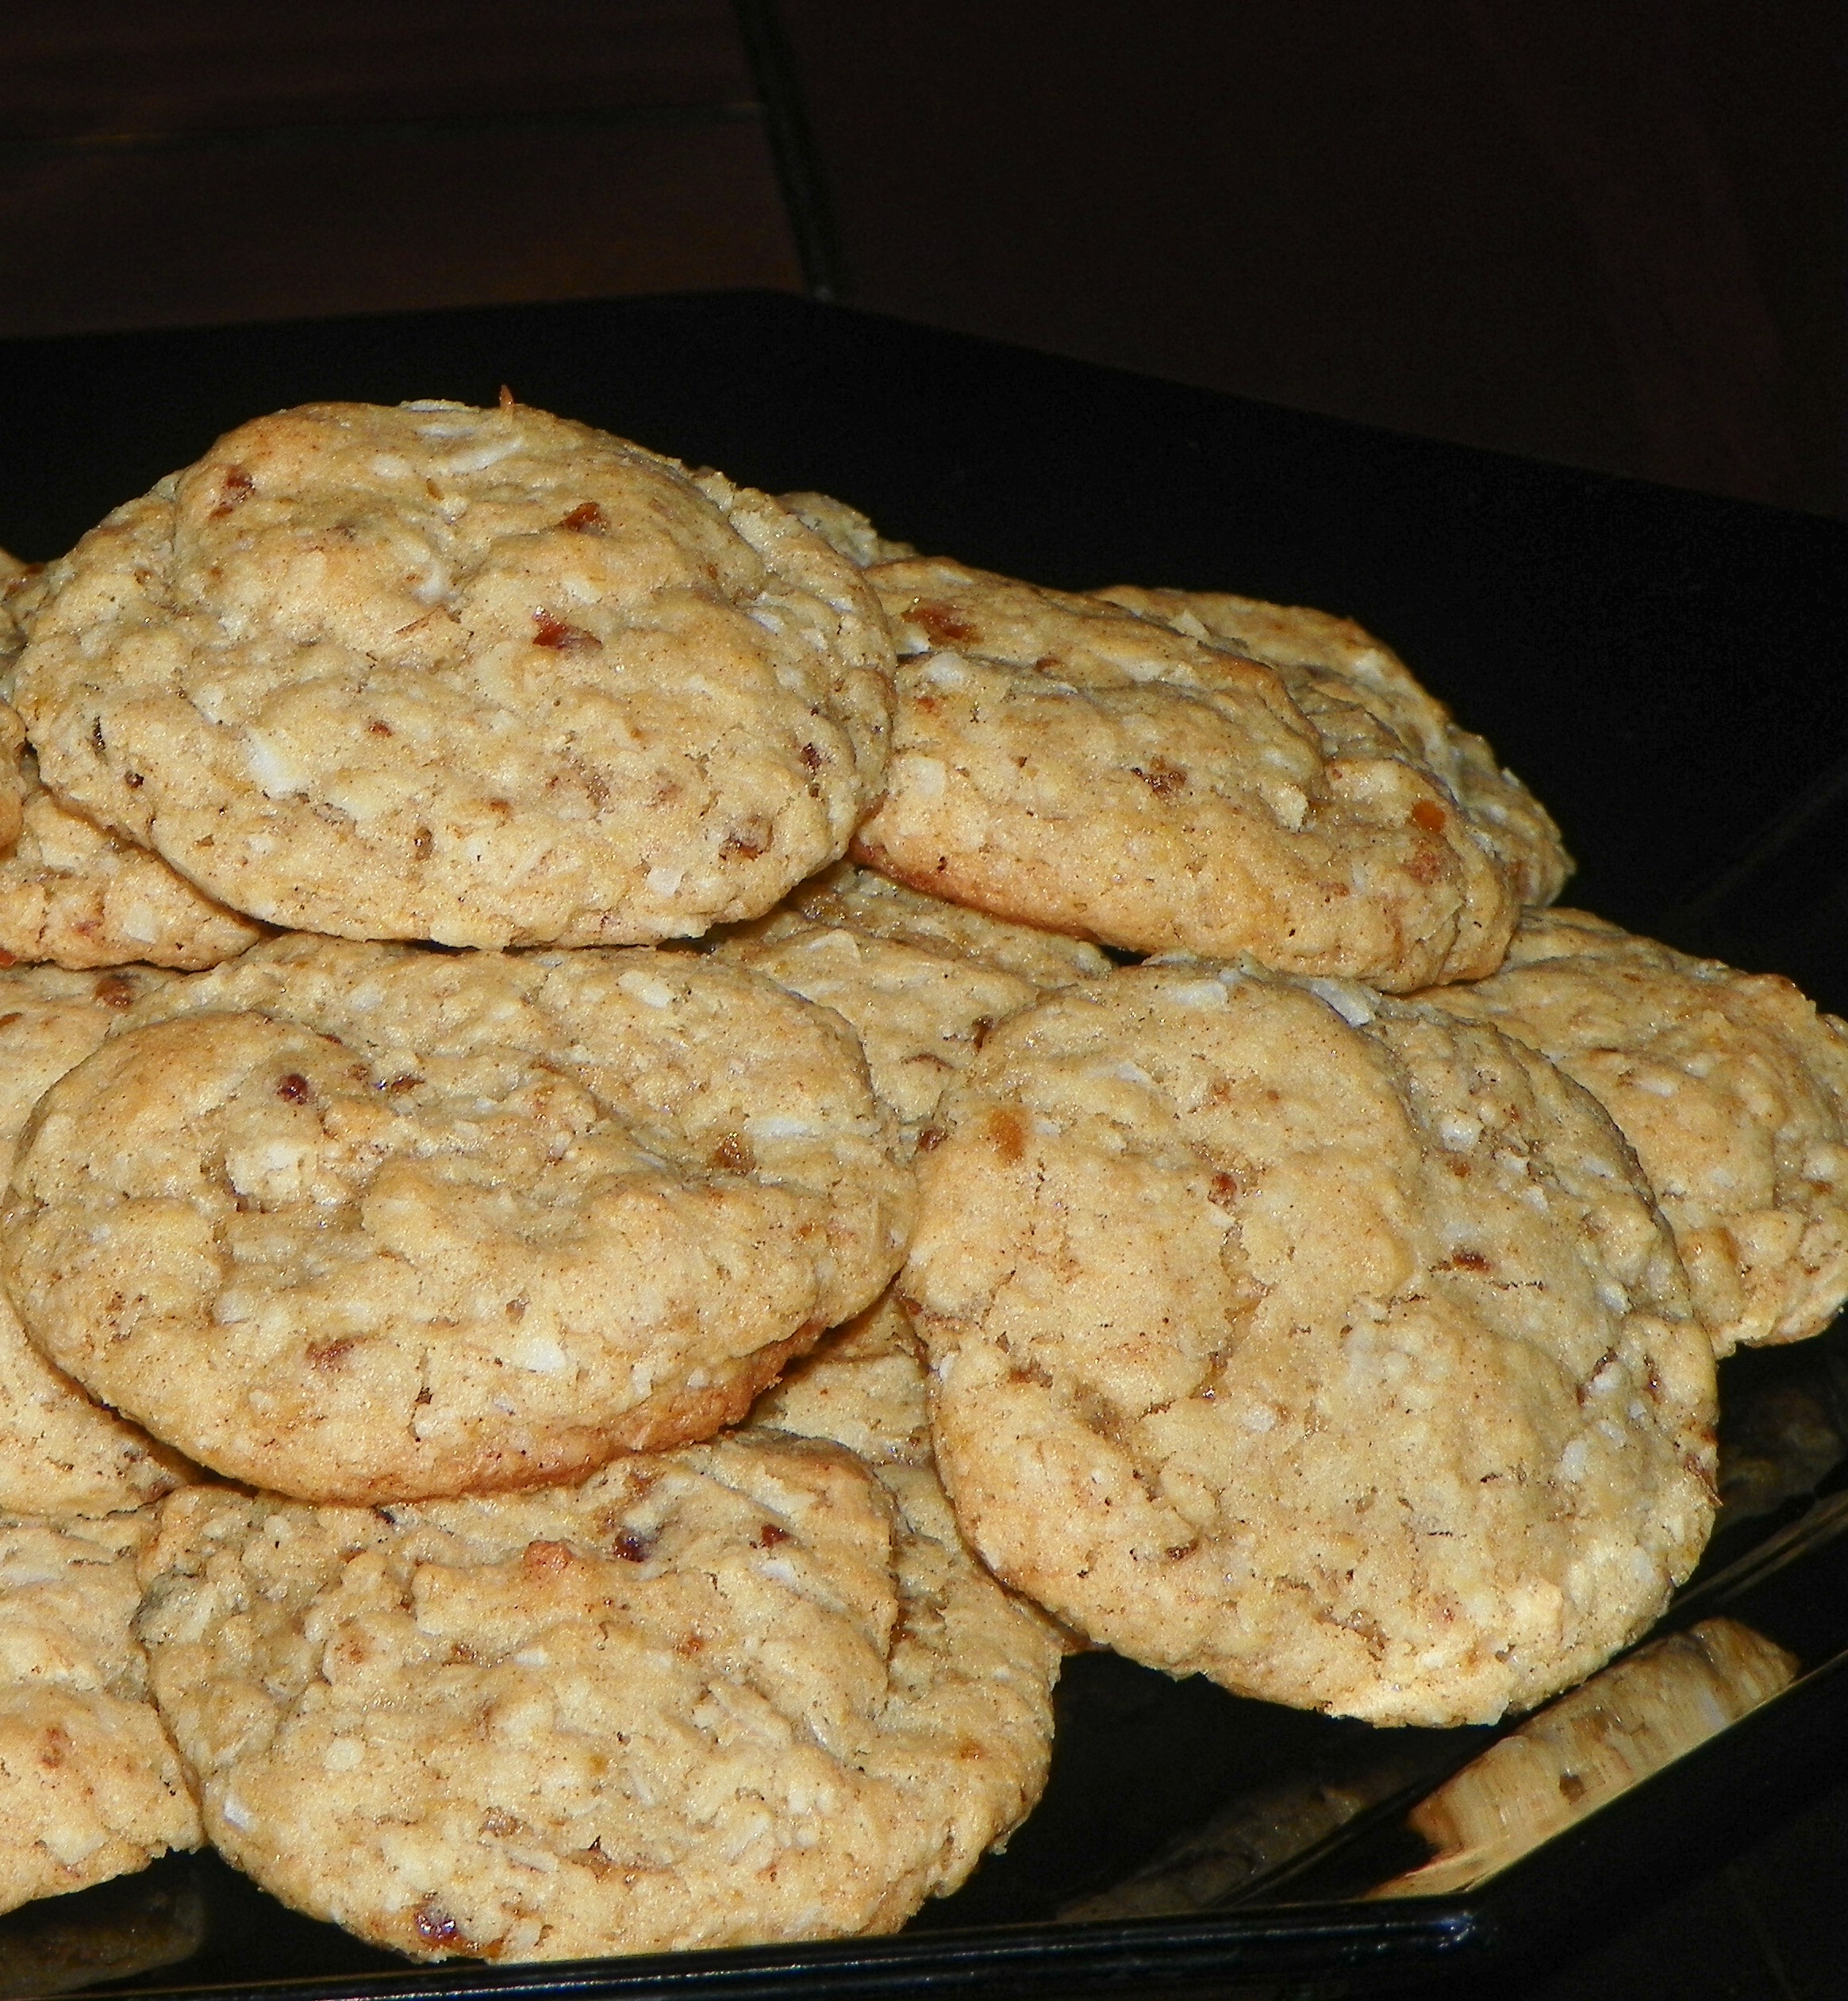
pixel 366 1222
pixel 1733 1090
pixel 90 1787
pixel 61 1453
pixel 922 983
pixel 712 1697
pixel 1313 1341
pixel 1061 761
pixel 483 677
pixel 1328 661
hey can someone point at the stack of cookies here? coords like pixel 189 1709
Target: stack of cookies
pixel 575 1359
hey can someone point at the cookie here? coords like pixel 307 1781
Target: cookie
pixel 922 983
pixel 61 1453
pixel 845 528
pixel 1063 763
pixel 1327 661
pixel 369 1222
pixel 1733 1090
pixel 712 1697
pixel 90 1787
pixel 76 896
pixel 1316 1341
pixel 484 677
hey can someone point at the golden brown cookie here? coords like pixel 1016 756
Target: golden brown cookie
pixel 712 1697
pixel 1316 1341
pixel 90 1787
pixel 61 1453
pixel 369 1222
pixel 1329 660
pixel 1061 761
pixel 485 676
pixel 922 983
pixel 1731 1086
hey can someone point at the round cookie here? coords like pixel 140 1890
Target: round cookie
pixel 1314 1342
pixel 1061 761
pixel 369 1222
pixel 90 1787
pixel 1733 1090
pixel 1326 659
pixel 60 1453
pixel 485 676
pixel 713 1697
pixel 922 983
pixel 845 528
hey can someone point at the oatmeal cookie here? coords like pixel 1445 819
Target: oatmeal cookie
pixel 369 1221
pixel 1064 762
pixel 1315 1342
pixel 60 1453
pixel 90 1787
pixel 1327 660
pixel 712 1697
pixel 485 676
pixel 845 528
pixel 1733 1090
pixel 921 982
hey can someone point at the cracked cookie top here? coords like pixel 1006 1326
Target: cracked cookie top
pixel 1313 1341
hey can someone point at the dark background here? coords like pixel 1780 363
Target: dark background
pixel 1607 232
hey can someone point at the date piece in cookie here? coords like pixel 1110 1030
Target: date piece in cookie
pixel 922 983
pixel 1327 661
pixel 1064 762
pixel 61 1453
pixel 90 1787
pixel 1733 1090
pixel 485 676
pixel 1314 1342
pixel 369 1222
pixel 712 1697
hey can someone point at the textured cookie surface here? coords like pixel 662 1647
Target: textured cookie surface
pixel 714 1696
pixel 1314 1342
pixel 1334 660
pixel 61 1453
pixel 90 1787
pixel 1064 762
pixel 484 677
pixel 364 1221
pixel 1732 1089
pixel 845 528
pixel 923 983
pixel 78 896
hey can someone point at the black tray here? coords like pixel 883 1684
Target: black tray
pixel 1664 668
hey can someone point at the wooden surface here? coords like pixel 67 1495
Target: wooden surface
pixel 1608 235
pixel 202 162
